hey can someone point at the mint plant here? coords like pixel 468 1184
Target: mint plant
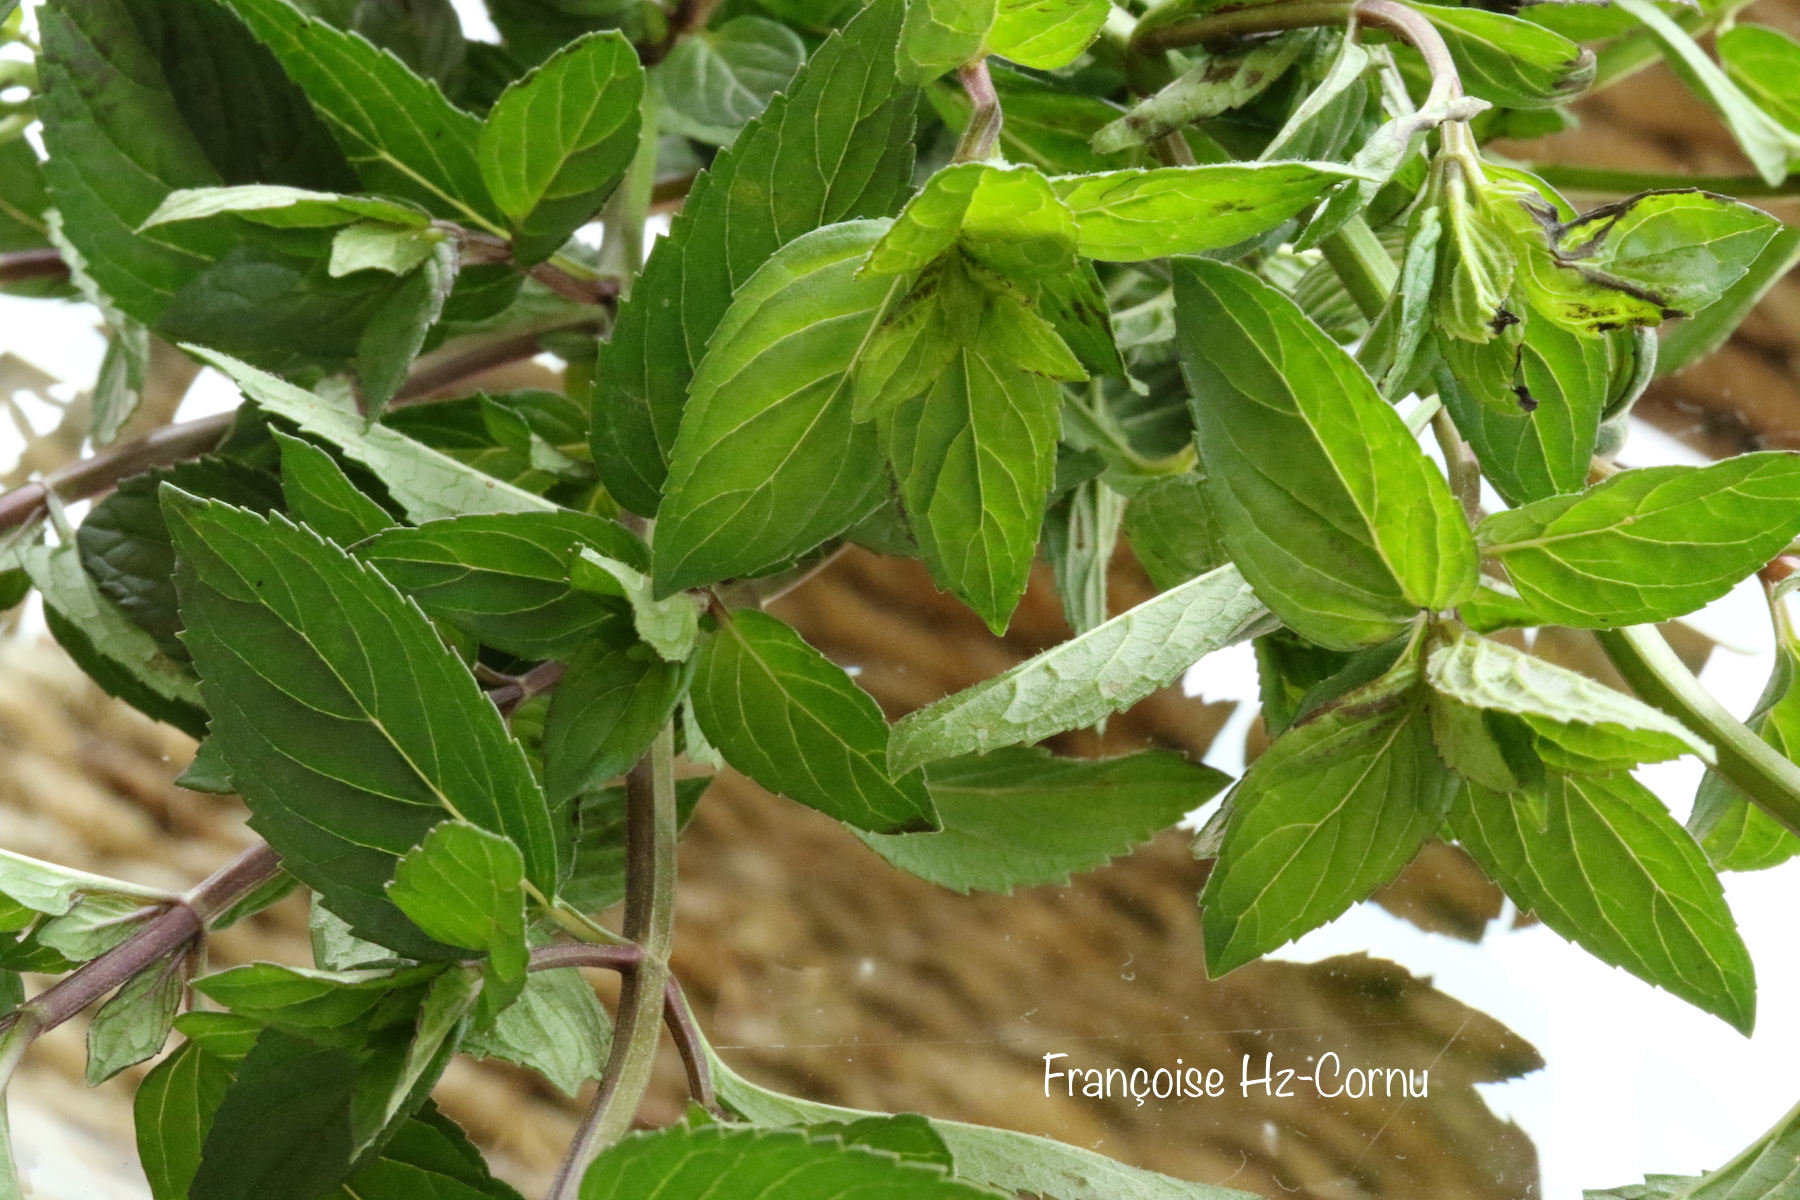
pixel 965 280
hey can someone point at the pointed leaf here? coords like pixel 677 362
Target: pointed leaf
pixel 670 625
pixel 1084 679
pixel 272 204
pixel 50 889
pixel 794 722
pixel 174 1108
pixel 1005 217
pixel 1511 61
pixel 319 494
pixel 282 1128
pixel 134 1024
pixel 464 887
pixel 716 81
pixel 1601 862
pixel 1216 84
pixel 613 698
pixel 1046 36
pixel 557 1028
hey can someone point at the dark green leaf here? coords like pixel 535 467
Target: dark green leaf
pixel 504 577
pixel 1172 532
pixel 1737 835
pixel 1329 813
pixel 433 1142
pixel 1602 863
pixel 225 1036
pixel 794 722
pixel 1648 544
pixel 1045 36
pixel 614 696
pixel 356 730
pixel 598 880
pixel 1019 818
pixel 282 1128
pixel 907 1134
pixel 681 1163
pixel 134 1024
pixel 336 1008
pixel 403 136
pixel 426 35
pixel 1084 679
pixel 768 463
pixel 716 81
pixel 319 494
pixel 1322 496
pixel 397 329
pixel 1129 216
pixel 1045 126
pixel 464 887
pixel 174 1108
pixel 1511 61
pixel 836 147
pixel 533 440
pixel 557 1028
pixel 558 141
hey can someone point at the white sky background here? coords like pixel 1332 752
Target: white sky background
pixel 1638 1082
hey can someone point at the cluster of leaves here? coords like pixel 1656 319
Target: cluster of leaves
pixel 1163 272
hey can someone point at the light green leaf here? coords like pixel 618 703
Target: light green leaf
pixel 1767 1169
pixel 1771 146
pixel 1511 61
pixel 134 1024
pixel 1580 725
pixel 95 924
pixel 504 577
pixel 1647 544
pixel 794 722
pixel 47 888
pixel 335 948
pixel 1215 84
pixel 1019 818
pixel 1763 61
pixel 1016 1162
pixel 1005 217
pixel 402 135
pixel 669 625
pixel 1043 35
pixel 768 463
pixel 427 484
pixel 716 81
pixel 614 697
pixel 940 35
pixel 381 246
pixel 1171 531
pixel 1322 496
pixel 557 1028
pixel 557 142
pixel 1336 104
pixel 1737 835
pixel 174 1108
pixel 1084 679
pixel 319 494
pixel 1708 329
pixel 1138 214
pixel 271 204
pixel 118 655
pixel 356 730
pixel 1601 862
pixel 1330 812
pixel 464 887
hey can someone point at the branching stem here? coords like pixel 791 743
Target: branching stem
pixel 982 135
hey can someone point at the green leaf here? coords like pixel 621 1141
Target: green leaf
pixel 504 577
pixel 1601 862
pixel 1737 835
pixel 1005 217
pixel 224 1036
pixel 1322 496
pixel 557 1028
pixel 282 1128
pixel 1765 141
pixel 381 246
pixel 464 887
pixel 681 1163
pixel 124 542
pixel 1330 812
pixel 272 204
pixel 404 138
pixel 670 625
pixel 768 463
pixel 1130 216
pixel 96 924
pixel 793 721
pixel 1580 725
pixel 1019 818
pixel 433 1142
pixel 1045 36
pixel 1216 84
pixel 174 1108
pixel 1016 1162
pixel 116 654
pixel 1081 681
pixel 428 485
pixel 614 696
pixel 1764 1170
pixel 598 880
pixel 356 730
pixel 908 1135
pixel 1511 61
pixel 940 35
pixel 1647 544
pixel 1337 107
pixel 51 889
pixel 397 330
pixel 319 494
pixel 1708 329
pixel 134 1024
pixel 1045 126
pixel 835 148
pixel 558 141
pixel 1171 531
pixel 334 1008
pixel 716 81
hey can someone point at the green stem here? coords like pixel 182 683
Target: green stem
pixel 1577 178
pixel 1459 463
pixel 1766 779
pixel 1362 263
pixel 1264 18
pixel 650 828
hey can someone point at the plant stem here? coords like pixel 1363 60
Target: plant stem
pixel 1459 463
pixel 86 477
pixel 982 133
pixel 1362 264
pixel 1766 778
pixel 21 265
pixel 1263 18
pixel 650 828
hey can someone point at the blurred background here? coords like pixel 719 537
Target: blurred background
pixel 820 970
